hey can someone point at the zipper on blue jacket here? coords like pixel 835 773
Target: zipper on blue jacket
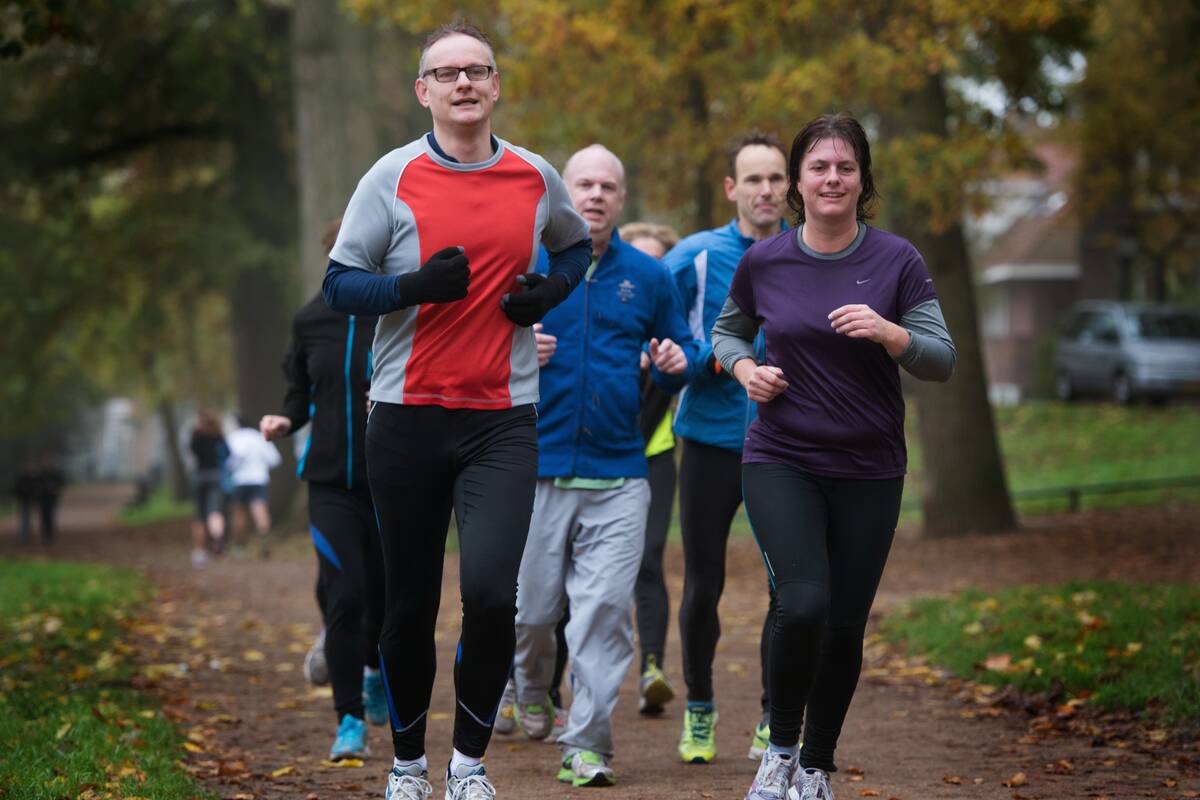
pixel 349 409
pixel 587 321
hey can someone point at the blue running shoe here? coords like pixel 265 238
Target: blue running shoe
pixel 351 741
pixel 408 784
pixel 374 700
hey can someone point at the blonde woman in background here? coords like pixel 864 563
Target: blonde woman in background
pixel 650 591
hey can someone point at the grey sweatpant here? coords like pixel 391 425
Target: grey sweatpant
pixel 584 547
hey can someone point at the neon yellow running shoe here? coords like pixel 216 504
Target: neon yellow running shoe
pixel 585 768
pixel 698 744
pixel 760 742
pixel 654 690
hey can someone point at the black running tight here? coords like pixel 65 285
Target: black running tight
pixel 710 491
pixel 650 591
pixel 825 542
pixel 342 525
pixel 422 462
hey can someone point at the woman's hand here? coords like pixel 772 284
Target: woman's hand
pixel 860 321
pixel 274 426
pixel 762 383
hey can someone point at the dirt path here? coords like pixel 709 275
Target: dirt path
pixel 224 648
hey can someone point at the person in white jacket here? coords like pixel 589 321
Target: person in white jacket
pixel 251 459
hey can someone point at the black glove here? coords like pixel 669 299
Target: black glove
pixel 441 279
pixel 541 294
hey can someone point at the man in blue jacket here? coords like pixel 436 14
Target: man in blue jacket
pixel 712 419
pixel 589 515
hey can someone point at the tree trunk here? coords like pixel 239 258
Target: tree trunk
pixel 265 293
pixel 176 470
pixel 336 138
pixel 702 189
pixel 964 483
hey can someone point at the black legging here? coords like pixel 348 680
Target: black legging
pixel 825 542
pixel 344 533
pixel 422 462
pixel 650 591
pixel 560 659
pixel 710 491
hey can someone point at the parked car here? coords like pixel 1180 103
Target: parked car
pixel 1128 351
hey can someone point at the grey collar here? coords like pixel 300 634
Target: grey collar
pixel 847 250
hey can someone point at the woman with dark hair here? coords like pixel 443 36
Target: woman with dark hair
pixel 843 305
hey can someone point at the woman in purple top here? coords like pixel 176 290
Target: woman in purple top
pixel 843 306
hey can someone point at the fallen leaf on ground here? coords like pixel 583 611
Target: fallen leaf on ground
pixel 999 662
pixel 279 773
pixel 1018 779
pixel 345 762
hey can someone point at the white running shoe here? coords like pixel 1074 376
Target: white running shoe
pixel 535 719
pixel 774 778
pixel 316 671
pixel 560 724
pixel 469 783
pixel 811 784
pixel 505 721
pixel 408 784
pixel 199 558
pixel 585 768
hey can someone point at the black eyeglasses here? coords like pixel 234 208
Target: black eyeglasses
pixel 475 72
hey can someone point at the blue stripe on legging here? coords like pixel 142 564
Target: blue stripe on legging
pixel 324 547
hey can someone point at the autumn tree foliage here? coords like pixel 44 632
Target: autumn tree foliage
pixel 1139 113
pixel 147 214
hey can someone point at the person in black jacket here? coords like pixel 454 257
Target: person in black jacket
pixel 209 448
pixel 329 371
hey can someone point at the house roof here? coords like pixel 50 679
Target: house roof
pixel 1044 243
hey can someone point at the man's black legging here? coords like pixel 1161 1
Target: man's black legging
pixel 710 491
pixel 346 538
pixel 650 590
pixel 825 542
pixel 422 462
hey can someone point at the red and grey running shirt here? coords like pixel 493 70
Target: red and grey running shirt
pixel 414 202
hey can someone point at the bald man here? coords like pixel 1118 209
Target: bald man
pixel 589 514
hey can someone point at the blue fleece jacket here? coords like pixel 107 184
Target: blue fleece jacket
pixel 713 407
pixel 587 417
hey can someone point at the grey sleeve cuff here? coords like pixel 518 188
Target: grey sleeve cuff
pixel 733 336
pixel 930 354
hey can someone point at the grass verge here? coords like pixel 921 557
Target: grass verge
pixel 160 507
pixel 1116 645
pixel 1049 444
pixel 70 724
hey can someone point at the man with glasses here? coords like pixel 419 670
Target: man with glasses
pixel 440 241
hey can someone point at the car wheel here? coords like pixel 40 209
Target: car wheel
pixel 1063 389
pixel 1122 389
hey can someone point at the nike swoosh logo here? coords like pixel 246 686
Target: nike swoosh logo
pixel 860 283
pixel 929 280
